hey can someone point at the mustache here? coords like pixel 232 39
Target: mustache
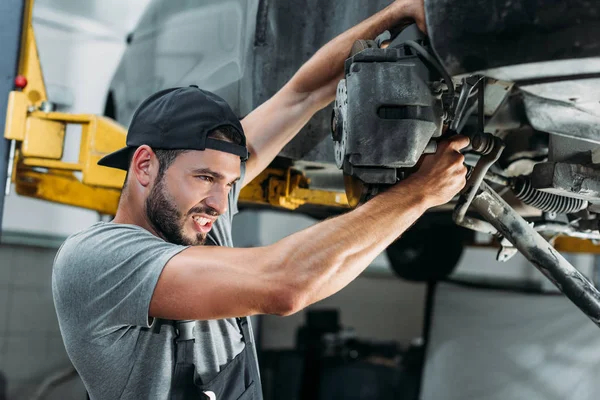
pixel 203 210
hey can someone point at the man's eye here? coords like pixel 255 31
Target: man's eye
pixel 205 178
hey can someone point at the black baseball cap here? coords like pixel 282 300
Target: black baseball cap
pixel 179 119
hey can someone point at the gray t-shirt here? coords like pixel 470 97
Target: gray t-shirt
pixel 102 282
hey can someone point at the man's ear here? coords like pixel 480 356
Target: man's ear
pixel 144 165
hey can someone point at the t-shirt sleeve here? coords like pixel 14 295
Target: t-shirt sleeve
pixel 104 278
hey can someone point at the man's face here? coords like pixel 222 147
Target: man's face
pixel 185 202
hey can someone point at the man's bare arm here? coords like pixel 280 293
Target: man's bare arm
pixel 272 125
pixel 214 282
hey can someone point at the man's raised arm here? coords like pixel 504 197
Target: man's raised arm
pixel 272 125
pixel 206 282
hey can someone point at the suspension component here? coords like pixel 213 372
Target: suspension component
pixel 482 143
pixel 544 201
pixel 538 251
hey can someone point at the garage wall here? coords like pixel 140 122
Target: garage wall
pixel 376 308
pixel 31 348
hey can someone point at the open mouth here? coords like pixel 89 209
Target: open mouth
pixel 202 224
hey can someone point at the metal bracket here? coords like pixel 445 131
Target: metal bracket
pixel 472 187
pixel 288 189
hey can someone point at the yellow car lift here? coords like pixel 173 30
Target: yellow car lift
pixel 37 138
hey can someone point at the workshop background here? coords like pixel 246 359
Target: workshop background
pixel 483 344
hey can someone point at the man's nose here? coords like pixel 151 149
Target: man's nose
pixel 218 201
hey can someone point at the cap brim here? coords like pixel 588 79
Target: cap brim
pixel 118 159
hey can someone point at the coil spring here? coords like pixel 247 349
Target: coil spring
pixel 547 202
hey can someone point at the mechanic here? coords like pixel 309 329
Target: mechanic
pixel 124 289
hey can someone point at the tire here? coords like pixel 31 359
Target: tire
pixel 428 251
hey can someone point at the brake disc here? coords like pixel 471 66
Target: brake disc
pixel 338 124
pixel 357 191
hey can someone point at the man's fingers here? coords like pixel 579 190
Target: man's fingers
pixel 458 142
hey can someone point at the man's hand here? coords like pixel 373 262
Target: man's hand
pixel 442 175
pixel 412 9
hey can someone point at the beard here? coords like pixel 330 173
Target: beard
pixel 166 219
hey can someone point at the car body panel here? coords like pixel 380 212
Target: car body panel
pixel 179 43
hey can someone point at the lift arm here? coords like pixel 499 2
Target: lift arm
pixel 37 138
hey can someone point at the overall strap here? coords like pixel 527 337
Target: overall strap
pixel 252 362
pixel 182 384
pixel 243 327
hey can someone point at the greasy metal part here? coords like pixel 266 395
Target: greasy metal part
pixel 562 118
pixel 472 186
pixel 431 60
pixel 570 150
pixel 400 119
pixel 550 229
pixel 538 251
pixel 507 251
pixel 288 189
pixel 11 31
pixel 477 225
pixel 548 202
pixel 468 84
pixel 495 178
pixel 339 124
pixel 566 179
pixel 482 143
pixel 431 147
pixel 481 105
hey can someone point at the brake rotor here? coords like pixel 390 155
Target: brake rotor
pixel 357 191
pixel 338 124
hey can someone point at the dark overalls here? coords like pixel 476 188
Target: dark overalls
pixel 239 380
